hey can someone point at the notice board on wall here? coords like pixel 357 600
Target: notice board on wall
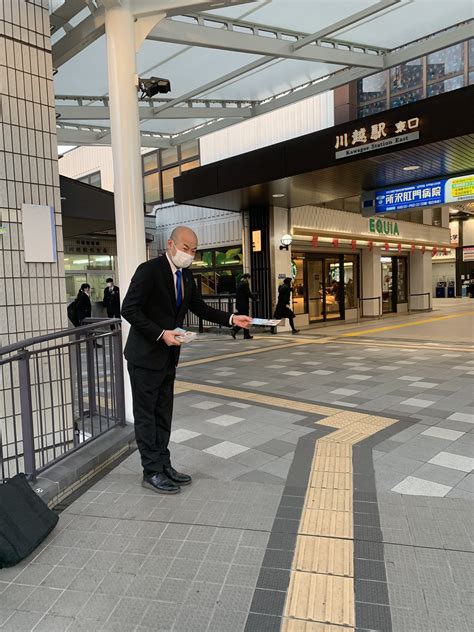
pixel 39 233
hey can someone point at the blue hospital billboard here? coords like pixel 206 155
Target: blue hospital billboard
pixel 431 193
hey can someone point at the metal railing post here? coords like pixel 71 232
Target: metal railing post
pixel 27 415
pixel 91 379
pixel 119 385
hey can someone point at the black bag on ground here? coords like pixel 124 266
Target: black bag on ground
pixel 25 520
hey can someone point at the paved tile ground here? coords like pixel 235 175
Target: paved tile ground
pixel 123 558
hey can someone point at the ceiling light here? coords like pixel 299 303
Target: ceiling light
pixel 453 211
pixel 411 168
pixel 278 195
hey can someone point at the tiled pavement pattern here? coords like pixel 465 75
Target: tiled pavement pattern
pixel 218 556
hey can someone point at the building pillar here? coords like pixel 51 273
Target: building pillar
pixel 125 133
pixel 371 282
pixel 421 279
pixel 280 259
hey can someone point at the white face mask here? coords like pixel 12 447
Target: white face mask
pixel 181 259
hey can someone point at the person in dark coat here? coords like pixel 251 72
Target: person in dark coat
pixel 160 294
pixel 112 299
pixel 243 296
pixel 283 309
pixel 83 302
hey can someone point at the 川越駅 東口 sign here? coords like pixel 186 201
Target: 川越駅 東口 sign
pixel 434 192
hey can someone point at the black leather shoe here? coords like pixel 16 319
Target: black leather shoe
pixel 232 333
pixel 160 483
pixel 177 477
pixel 295 331
pixel 248 337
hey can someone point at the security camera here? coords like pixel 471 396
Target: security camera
pixel 153 85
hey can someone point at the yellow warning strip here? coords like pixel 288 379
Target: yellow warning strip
pixel 406 345
pixel 320 596
pixel 297 343
pixel 414 323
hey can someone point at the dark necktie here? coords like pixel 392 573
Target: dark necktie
pixel 179 288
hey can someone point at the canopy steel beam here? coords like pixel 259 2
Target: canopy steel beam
pixel 177 32
pixel 345 22
pixel 102 112
pixel 63 14
pixel 70 134
pixel 85 33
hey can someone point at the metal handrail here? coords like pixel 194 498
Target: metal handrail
pixel 423 309
pixel 83 329
pixel 371 298
pixel 60 396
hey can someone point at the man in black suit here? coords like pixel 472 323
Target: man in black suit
pixel 160 293
pixel 243 296
pixel 112 299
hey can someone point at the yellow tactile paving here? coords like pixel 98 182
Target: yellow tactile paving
pixel 296 625
pixel 259 398
pixel 341 419
pixel 324 555
pixel 333 449
pixel 406 345
pixel 330 480
pixel 329 499
pixel 336 524
pixel 323 598
pixel 334 464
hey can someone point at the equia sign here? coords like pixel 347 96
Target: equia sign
pixel 383 227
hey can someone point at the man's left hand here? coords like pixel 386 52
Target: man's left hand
pixel 242 321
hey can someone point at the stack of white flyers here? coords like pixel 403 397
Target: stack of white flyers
pixel 265 322
pixel 185 336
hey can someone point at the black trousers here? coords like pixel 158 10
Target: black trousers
pixel 152 412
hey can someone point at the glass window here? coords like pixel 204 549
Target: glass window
pixel 232 256
pixel 189 165
pixel 402 280
pixel 203 259
pixel 207 281
pixel 93 179
pixel 168 177
pixel 372 108
pixel 445 62
pixel 150 162
pixel 169 156
pixel 76 262
pixel 445 86
pixel 226 281
pixel 298 285
pixel 407 76
pixel 101 262
pixel 189 149
pixel 471 78
pixel 350 281
pixel 372 88
pixel 406 97
pixel 151 185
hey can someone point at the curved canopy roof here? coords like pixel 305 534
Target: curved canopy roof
pixel 227 63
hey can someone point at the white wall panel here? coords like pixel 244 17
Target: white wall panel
pixel 304 117
pixel 214 228
pixel 85 160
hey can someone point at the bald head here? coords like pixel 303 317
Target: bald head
pixel 184 239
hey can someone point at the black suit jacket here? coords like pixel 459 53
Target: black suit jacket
pixel 84 306
pixel 150 308
pixel 242 298
pixel 112 301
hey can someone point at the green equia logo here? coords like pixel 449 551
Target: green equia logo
pixel 383 226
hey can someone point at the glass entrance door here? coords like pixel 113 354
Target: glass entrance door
pixel 324 285
pixel 388 285
pixel 332 275
pixel 315 289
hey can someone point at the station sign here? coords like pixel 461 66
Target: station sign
pixel 432 193
pixel 380 135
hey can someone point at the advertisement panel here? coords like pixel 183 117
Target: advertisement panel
pixel 418 195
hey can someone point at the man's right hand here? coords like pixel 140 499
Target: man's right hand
pixel 169 338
